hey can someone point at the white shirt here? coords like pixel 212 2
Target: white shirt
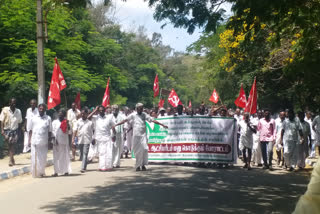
pixel 10 119
pixel 84 130
pixel 72 117
pixel 102 127
pixel 139 123
pixel 255 122
pixel 279 125
pixel 291 130
pixel 313 134
pixel 246 134
pixel 118 119
pixel 40 126
pixel 61 137
pixel 29 115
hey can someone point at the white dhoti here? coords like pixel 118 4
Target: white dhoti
pixel 128 143
pixel 61 158
pixel 38 159
pixel 26 147
pixel 302 154
pixel 289 153
pixel 256 150
pixel 93 151
pixel 140 150
pixel 105 154
pixel 117 150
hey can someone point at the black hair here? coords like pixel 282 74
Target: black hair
pixel 63 111
pixel 43 105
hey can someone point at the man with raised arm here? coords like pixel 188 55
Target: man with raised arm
pixel 140 141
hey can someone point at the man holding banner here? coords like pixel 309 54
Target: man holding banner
pixel 140 141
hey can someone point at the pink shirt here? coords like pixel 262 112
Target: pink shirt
pixel 267 129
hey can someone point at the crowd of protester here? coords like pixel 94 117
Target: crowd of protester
pixel 107 134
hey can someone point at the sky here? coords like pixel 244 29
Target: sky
pixel 134 13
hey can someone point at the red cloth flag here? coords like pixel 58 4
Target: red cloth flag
pixel 106 97
pixel 64 126
pixel 173 99
pixel 57 84
pixel 156 86
pixel 161 103
pixel 77 101
pixel 241 101
pixel 251 105
pixel 214 97
pixel 190 105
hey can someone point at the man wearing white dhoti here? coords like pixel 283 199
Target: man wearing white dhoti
pixel 61 150
pixel 291 130
pixel 308 119
pixel 303 149
pixel 246 139
pixel 39 135
pixel 103 137
pixel 73 115
pixel 128 131
pixel 140 141
pixel 93 149
pixel 279 148
pixel 31 112
pixel 119 143
pixel 256 148
pixel 83 129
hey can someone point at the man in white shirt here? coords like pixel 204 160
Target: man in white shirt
pixel 102 135
pixel 39 135
pixel 256 148
pixel 291 130
pixel 61 149
pixel 279 148
pixel 128 131
pixel 308 119
pixel 10 119
pixel 73 115
pixel 140 141
pixel 119 143
pixel 246 139
pixel 83 129
pixel 31 112
pixel 303 149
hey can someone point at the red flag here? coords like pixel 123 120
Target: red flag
pixel 251 105
pixel 57 84
pixel 173 98
pixel 77 101
pixel 214 97
pixel 156 86
pixel 161 103
pixel 106 97
pixel 190 105
pixel 241 100
pixel 64 126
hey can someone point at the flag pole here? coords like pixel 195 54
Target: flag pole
pixel 254 82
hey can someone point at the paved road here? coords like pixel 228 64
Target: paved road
pixel 162 189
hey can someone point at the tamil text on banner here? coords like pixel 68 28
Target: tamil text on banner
pixel 193 139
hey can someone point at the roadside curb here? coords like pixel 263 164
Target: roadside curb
pixel 21 171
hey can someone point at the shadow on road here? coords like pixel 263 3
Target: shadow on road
pixel 173 189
